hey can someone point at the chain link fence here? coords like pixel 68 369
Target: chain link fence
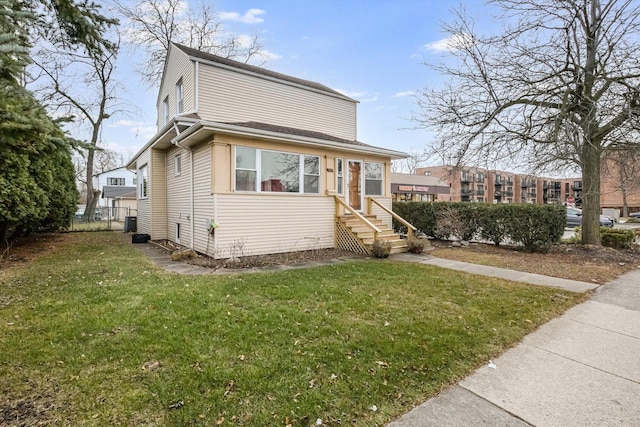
pixel 103 219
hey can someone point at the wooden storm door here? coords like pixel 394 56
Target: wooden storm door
pixel 354 186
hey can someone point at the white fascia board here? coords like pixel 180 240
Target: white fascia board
pixel 168 128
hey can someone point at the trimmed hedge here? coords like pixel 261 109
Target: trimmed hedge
pixel 535 227
pixel 616 238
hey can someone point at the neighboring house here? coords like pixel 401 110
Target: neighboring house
pixel 406 187
pixel 120 180
pixel 123 201
pixel 247 161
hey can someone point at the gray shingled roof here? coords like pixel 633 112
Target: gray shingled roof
pixel 115 191
pixel 258 70
pixel 298 132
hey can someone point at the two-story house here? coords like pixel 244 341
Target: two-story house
pixel 117 192
pixel 248 158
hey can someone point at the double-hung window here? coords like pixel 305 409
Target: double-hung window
pixel 165 110
pixel 340 175
pixel 373 179
pixel 269 171
pixel 246 169
pixel 143 174
pixel 115 181
pixel 177 165
pixel 179 97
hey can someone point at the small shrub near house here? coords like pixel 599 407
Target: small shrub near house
pixel 615 238
pixel 381 249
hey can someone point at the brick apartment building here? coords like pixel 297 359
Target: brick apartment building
pixel 495 186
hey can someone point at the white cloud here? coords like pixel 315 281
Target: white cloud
pixel 404 94
pixel 353 95
pixel 453 42
pixel 127 123
pixel 251 16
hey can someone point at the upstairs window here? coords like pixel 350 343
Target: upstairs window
pixel 179 97
pixel 165 110
pixel 177 164
pixel 115 181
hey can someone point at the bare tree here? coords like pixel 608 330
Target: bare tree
pixel 558 86
pixel 409 164
pixel 622 167
pixel 152 25
pixel 82 87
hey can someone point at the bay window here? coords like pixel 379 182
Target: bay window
pixel 279 172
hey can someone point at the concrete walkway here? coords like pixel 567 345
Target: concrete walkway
pixel 580 369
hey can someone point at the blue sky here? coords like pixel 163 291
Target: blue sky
pixel 372 50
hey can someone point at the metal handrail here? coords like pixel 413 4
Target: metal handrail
pixel 410 228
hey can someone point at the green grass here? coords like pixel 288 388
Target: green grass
pixel 329 343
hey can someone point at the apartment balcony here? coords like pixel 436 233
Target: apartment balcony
pixel 577 187
pixel 466 192
pixel 466 179
pixel 508 193
pixel 480 193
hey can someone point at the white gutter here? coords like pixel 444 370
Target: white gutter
pixel 167 128
pixel 253 133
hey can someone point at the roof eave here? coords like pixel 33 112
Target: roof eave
pixel 270 135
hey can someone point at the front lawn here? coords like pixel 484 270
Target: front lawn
pixel 92 333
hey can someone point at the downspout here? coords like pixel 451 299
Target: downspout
pixel 191 187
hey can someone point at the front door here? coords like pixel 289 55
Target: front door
pixel 354 186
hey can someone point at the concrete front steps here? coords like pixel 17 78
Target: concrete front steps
pixel 366 235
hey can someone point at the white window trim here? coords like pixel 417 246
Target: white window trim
pixel 179 96
pixel 364 178
pixel 339 175
pixel 165 109
pixel 258 171
pixel 177 165
pixel 143 172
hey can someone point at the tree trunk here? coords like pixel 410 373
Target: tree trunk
pixel 591 192
pixel 91 198
pixel 625 206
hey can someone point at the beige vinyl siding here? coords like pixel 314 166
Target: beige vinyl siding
pixel 178 66
pixel 230 96
pixel 179 189
pixel 143 220
pixel 158 194
pixel 204 207
pixel 270 224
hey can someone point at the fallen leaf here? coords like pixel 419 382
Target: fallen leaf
pixel 150 365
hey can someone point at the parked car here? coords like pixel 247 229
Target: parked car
pixel 634 215
pixel 574 218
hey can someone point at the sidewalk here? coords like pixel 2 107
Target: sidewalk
pixel 581 369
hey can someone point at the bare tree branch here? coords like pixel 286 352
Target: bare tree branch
pixel 557 87
pixel 151 25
